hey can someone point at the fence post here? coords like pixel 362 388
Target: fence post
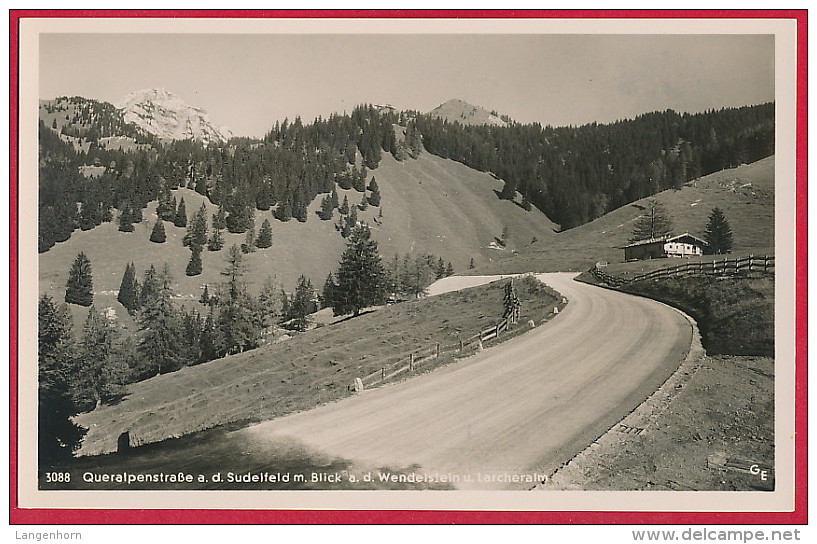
pixel 383 373
pixel 497 330
pixel 751 261
pixel 461 346
pixel 411 361
pixel 437 356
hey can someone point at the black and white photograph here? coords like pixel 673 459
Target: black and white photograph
pixel 504 264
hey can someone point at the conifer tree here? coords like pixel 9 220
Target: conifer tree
pixel 344 180
pixel 180 219
pixel 129 289
pixel 160 344
pixel 508 191
pixel 207 338
pixel 220 219
pixel 284 305
pixel 503 240
pixel 126 219
pixel 345 229
pixel 171 213
pixel 264 239
pixel 158 234
pixel 190 337
pixel 418 274
pixel 150 287
pixel 328 293
pixel 205 296
pixel 440 268
pixel 58 435
pixel 413 140
pixel 334 198
pixel 284 211
pixel 99 372
pixel 301 305
pixel 166 208
pixel 374 200
pixel 327 210
pixel 449 270
pixel 299 208
pixel 718 236
pixel 80 286
pixel 653 224
pixel 194 266
pixel 216 241
pixel 359 179
pixel 249 240
pixel 197 229
pixel 238 324
pixel 361 276
pixel 269 302
pixel 344 208
pixel 240 218
pixel 364 202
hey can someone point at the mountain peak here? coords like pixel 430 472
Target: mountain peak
pixel 460 111
pixel 165 115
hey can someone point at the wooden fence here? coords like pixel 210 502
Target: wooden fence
pixel 717 267
pixel 418 358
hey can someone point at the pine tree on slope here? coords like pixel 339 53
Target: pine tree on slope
pixel 718 234
pixel 361 277
pixel 80 287
pixel 129 289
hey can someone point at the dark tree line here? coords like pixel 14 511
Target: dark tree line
pixel 576 174
pixel 284 173
pixel 573 174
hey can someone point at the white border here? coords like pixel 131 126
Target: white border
pixel 781 500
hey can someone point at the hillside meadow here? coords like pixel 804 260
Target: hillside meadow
pixel 746 195
pixel 429 205
pixel 308 369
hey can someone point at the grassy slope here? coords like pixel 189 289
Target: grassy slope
pixel 442 207
pixel 748 208
pixel 307 370
pixel 735 314
pixel 420 214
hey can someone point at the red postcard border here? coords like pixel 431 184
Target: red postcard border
pixel 18 515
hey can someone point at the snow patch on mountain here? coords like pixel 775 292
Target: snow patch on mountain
pixel 168 117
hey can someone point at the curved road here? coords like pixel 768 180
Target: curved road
pixel 523 407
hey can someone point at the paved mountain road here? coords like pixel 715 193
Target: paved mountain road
pixel 524 406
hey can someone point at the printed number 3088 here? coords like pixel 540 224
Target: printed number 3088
pixel 57 476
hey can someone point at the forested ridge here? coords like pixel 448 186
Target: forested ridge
pixel 573 174
pixel 576 174
pixel 285 171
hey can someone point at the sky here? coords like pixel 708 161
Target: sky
pixel 247 82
